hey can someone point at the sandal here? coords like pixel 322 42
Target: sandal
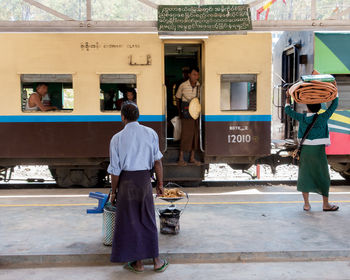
pixel 332 209
pixel 129 267
pixel 307 209
pixel 163 267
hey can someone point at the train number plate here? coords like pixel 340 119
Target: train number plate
pixel 239 138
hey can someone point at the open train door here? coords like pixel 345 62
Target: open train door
pixel 179 56
pixel 237 101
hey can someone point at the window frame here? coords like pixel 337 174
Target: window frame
pixel 28 80
pixel 133 81
pixel 229 78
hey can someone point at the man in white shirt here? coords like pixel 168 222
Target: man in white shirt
pixel 189 127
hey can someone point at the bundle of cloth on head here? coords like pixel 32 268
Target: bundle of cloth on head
pixel 314 89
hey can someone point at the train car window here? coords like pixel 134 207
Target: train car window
pixel 238 92
pixel 115 89
pixel 343 84
pixel 58 95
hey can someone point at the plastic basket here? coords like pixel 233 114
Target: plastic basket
pixel 108 224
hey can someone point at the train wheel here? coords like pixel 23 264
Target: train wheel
pixel 343 169
pixel 346 175
pixel 240 166
pixel 85 177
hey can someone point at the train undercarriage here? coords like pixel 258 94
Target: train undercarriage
pixel 93 172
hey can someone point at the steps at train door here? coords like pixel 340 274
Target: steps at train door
pixel 182 174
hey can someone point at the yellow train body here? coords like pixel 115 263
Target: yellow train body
pixel 80 136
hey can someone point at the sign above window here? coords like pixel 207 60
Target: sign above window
pixel 204 18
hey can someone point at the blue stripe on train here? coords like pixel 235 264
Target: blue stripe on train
pixel 331 129
pixel 76 118
pixel 342 124
pixel 237 118
pixel 116 118
pixel 345 113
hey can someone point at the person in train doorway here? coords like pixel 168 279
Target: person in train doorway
pixel 313 174
pixel 34 102
pixel 134 152
pixel 185 76
pixel 189 127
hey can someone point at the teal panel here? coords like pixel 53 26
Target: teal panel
pixel 339 44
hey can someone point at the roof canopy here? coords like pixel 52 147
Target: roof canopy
pixel 141 15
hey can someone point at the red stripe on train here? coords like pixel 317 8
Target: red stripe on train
pixel 340 144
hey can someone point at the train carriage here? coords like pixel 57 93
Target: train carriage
pixel 297 54
pixel 83 71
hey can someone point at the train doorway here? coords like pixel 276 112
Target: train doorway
pixel 178 58
pixel 290 74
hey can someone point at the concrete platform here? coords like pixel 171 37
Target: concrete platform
pixel 243 271
pixel 45 227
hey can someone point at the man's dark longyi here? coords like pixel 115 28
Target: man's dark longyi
pixel 136 235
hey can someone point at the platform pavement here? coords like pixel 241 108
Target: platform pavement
pixel 336 270
pixel 241 225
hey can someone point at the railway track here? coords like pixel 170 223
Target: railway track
pixel 42 184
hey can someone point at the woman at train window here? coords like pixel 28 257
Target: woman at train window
pixel 129 95
pixel 313 173
pixel 34 102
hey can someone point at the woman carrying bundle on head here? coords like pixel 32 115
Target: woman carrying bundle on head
pixel 313 173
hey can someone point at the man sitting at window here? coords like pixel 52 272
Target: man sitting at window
pixel 34 102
